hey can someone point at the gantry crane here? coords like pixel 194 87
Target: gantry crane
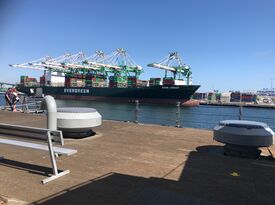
pixel 118 63
pixel 119 58
pixel 98 60
pixel 174 63
pixel 33 64
pixel 71 63
pixel 68 63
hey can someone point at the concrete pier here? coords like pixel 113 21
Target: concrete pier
pixel 127 163
pixel 237 104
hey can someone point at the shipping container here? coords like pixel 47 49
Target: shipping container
pixel 28 82
pixel 155 82
pixel 244 97
pixel 42 80
pixel 168 81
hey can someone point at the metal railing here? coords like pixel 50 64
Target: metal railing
pixel 204 116
pixel 25 104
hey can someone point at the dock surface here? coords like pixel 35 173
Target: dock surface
pixel 126 163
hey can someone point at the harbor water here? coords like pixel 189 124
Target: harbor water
pixel 203 117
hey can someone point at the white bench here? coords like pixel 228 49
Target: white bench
pixel 39 134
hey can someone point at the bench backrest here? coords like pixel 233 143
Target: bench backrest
pixel 31 132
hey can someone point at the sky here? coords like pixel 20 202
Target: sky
pixel 230 45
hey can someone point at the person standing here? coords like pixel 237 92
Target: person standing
pixel 15 99
pixel 8 98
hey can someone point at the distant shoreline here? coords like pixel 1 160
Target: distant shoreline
pixel 237 104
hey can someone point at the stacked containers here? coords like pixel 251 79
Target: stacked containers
pixel 28 82
pixel 79 76
pixel 132 81
pixel 79 80
pixel 75 80
pixel 117 82
pixel 235 97
pixel 218 96
pixel 96 81
pixel 70 82
pixel 89 83
pixel 168 81
pixel 210 96
pixel 80 83
pixel 42 80
pixel 67 81
pixel 23 79
pixel 154 81
pixel 142 83
pixel 89 80
pixel 246 97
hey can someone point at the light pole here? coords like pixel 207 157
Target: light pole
pixel 271 80
pixel 240 107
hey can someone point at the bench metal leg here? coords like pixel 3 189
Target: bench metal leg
pixel 55 176
pixel 54 165
pixel 52 155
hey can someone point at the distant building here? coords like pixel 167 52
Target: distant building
pixel 243 97
pixel 225 97
pixel 199 96
pixel 266 92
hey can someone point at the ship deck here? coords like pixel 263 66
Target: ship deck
pixel 126 163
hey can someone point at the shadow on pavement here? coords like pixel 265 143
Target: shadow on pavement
pixel 31 168
pixel 207 177
pixel 115 188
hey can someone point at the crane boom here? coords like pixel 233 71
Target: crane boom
pixel 78 66
pixel 104 65
pixel 164 67
pixel 25 66
pixel 48 66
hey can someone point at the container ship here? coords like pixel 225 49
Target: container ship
pixel 109 78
